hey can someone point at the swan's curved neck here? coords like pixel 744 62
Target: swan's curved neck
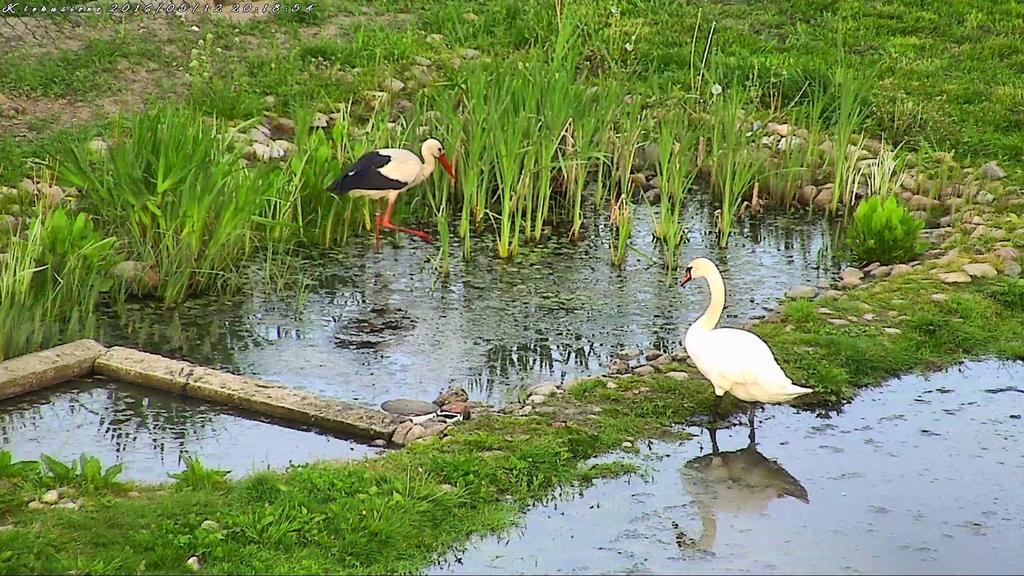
pixel 429 164
pixel 713 314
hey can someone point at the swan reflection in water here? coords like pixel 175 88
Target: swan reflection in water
pixel 736 482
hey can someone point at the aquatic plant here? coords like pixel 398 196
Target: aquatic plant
pixel 51 280
pixel 11 469
pixel 734 164
pixel 676 171
pixel 849 118
pixel 173 190
pixel 884 231
pixel 196 476
pixel 622 221
pixel 86 472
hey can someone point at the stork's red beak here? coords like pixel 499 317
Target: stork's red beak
pixel 447 166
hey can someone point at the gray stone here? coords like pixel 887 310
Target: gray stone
pixel 831 295
pixel 537 399
pixel 542 390
pixel 881 272
pixel 394 85
pixel 938 297
pixel 378 443
pixel 954 277
pixel 194 563
pixel 1012 270
pixel 838 322
pixel 950 257
pixel 470 54
pixel 645 370
pixel 891 330
pixel 409 407
pixel 678 375
pixel 282 129
pixel 900 270
pixel 980 270
pixel 850 283
pixel 802 292
pixel 36 505
pixel 824 198
pixel 850 273
pixel 421 61
pixel 653 354
pixel 806 195
pixel 428 429
pixel 50 497
pixel 628 354
pixel 452 395
pixel 618 366
pixel 984 197
pixel 992 171
pixel 919 202
pixel 1006 254
pixel 663 360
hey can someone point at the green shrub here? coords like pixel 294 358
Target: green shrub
pixel 884 231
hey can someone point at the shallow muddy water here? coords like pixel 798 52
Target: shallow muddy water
pixel 380 326
pixel 918 476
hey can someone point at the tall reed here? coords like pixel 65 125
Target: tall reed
pixel 623 226
pixel 676 171
pixel 734 164
pixel 849 117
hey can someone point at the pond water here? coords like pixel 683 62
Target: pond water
pixel 381 326
pixel 149 431
pixel 922 475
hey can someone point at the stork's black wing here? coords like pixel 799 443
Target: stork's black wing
pixel 365 175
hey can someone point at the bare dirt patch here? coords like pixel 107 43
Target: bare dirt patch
pixel 38 116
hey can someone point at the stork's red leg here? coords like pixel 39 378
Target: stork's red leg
pixel 376 228
pixel 388 225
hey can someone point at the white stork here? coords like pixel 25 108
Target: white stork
pixel 386 173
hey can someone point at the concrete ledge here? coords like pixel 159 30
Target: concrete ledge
pixel 260 396
pixel 48 367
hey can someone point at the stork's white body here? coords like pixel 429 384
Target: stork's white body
pixel 404 167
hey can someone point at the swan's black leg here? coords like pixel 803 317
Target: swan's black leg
pixel 750 422
pixel 717 411
pixel 713 432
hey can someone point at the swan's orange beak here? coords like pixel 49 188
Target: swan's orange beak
pixel 686 278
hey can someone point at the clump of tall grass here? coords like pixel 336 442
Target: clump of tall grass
pixel 850 114
pixel 676 171
pixel 51 279
pixel 735 165
pixel 177 194
pixel 622 222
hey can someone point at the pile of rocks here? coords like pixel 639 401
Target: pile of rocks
pixel 57 498
pixel 631 361
pixel 428 419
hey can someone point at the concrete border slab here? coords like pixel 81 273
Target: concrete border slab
pixel 268 398
pixel 46 368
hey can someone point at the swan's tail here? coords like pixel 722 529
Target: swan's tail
pixel 792 391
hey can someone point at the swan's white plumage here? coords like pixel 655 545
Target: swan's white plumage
pixel 734 361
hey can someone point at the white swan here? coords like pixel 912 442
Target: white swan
pixel 735 361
